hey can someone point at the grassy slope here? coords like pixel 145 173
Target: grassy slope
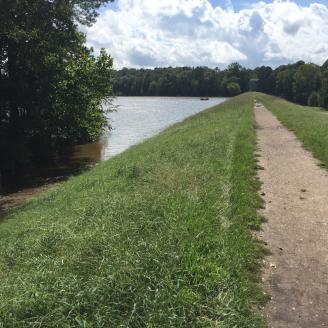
pixel 158 236
pixel 310 124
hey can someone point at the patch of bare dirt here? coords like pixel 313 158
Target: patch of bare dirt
pixel 295 190
pixel 13 200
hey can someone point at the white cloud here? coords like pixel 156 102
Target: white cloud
pixel 148 33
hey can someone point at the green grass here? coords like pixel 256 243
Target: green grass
pixel 310 124
pixel 159 236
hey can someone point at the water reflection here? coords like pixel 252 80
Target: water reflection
pixel 92 152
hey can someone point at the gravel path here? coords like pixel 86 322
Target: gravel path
pixel 295 190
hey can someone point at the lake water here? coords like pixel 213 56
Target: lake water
pixel 136 119
pixel 139 118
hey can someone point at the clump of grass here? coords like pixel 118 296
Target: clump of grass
pixel 159 236
pixel 310 124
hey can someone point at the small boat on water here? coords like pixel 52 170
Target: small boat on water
pixel 204 98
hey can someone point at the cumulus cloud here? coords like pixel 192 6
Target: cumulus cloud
pixel 149 33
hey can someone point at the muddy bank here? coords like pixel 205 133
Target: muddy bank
pixel 36 179
pixel 12 200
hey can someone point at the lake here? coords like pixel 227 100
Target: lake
pixel 139 118
pixel 136 119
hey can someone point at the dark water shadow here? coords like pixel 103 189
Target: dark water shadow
pixel 37 177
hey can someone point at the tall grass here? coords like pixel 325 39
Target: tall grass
pixel 159 236
pixel 310 124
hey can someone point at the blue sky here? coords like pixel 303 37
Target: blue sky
pixel 238 5
pixel 150 33
pixel 242 4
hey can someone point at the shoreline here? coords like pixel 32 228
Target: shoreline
pixel 83 157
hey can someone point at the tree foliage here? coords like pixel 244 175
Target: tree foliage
pixel 295 82
pixel 51 84
pixel 323 91
pixel 266 81
pixel 306 80
pixel 233 89
pixel 182 81
pixel 314 99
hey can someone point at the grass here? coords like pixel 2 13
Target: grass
pixel 159 236
pixel 310 124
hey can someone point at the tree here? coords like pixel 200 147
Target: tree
pixel 323 92
pixel 41 49
pixel 306 80
pixel 237 73
pixel 82 118
pixel 284 83
pixel 314 99
pixel 293 81
pixel 266 82
pixel 233 89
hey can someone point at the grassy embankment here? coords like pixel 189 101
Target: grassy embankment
pixel 310 124
pixel 159 236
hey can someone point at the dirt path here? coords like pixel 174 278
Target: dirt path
pixel 295 190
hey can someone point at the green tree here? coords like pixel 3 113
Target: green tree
pixel 314 99
pixel 194 87
pixel 266 82
pixel 306 80
pixel 82 118
pixel 40 51
pixel 323 92
pixel 153 88
pixel 183 81
pixel 284 83
pixel 233 89
pixel 237 73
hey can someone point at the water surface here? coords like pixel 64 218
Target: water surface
pixel 139 118
pixel 136 119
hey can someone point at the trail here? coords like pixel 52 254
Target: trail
pixel 295 190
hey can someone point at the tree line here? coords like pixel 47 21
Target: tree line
pixel 52 87
pixel 303 83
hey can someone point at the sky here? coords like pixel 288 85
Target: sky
pixel 214 33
